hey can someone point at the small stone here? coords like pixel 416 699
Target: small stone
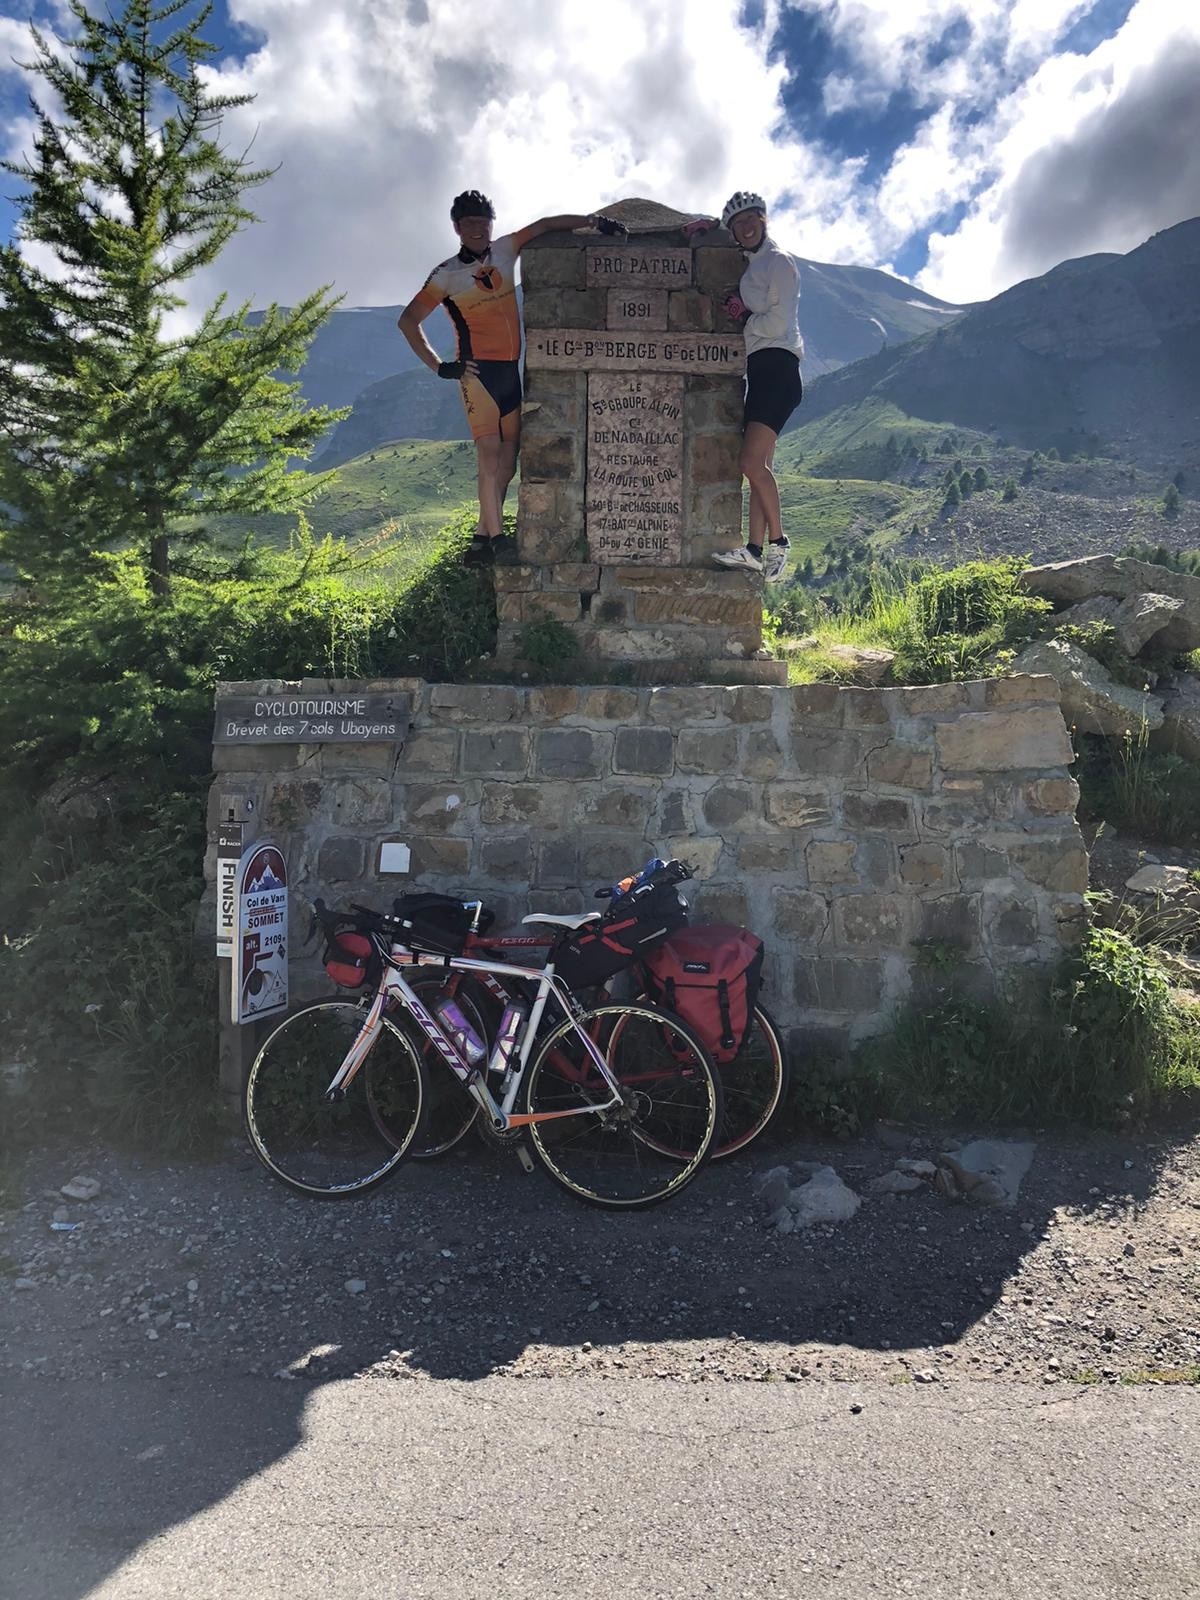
pixel 62 1213
pixel 855 1409
pixel 81 1188
pixel 896 1183
pixel 355 1285
pixel 24 1283
pixel 1129 1251
pixel 925 1377
pixel 586 1346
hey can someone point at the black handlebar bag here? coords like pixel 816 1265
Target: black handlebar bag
pixel 435 924
pixel 631 927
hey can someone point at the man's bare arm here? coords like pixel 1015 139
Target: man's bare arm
pixel 563 224
pixel 409 323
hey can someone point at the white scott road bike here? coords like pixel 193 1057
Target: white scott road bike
pixel 620 1102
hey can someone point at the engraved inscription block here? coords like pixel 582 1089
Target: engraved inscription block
pixel 635 468
pixel 633 351
pixel 638 267
pixel 637 308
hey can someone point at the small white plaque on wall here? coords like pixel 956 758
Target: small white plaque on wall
pixel 394 857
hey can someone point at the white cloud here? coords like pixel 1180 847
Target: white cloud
pixel 1092 153
pixel 378 114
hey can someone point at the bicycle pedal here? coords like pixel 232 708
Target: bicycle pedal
pixel 524 1158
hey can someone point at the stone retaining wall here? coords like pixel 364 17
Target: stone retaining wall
pixel 843 825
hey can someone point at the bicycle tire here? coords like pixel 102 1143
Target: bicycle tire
pixel 302 1139
pixel 754 1086
pixel 450 1112
pixel 679 1089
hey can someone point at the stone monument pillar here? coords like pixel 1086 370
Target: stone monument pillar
pixel 629 456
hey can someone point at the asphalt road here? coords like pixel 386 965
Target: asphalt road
pixel 189 1486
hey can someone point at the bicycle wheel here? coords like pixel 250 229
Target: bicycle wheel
pixel 332 1150
pixel 753 1086
pixel 449 1109
pixel 656 1141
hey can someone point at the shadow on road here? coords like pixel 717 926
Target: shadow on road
pixel 469 1265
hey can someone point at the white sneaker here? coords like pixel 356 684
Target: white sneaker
pixel 775 564
pixel 740 559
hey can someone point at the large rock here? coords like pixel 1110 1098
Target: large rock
pixel 1180 729
pixel 1066 582
pixel 986 1171
pixel 1091 699
pixel 1140 618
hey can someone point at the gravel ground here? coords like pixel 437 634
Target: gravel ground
pixel 468 1267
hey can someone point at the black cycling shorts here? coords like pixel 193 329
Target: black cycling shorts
pixel 773 388
pixel 492 397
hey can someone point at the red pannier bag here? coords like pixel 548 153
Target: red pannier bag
pixel 349 958
pixel 710 976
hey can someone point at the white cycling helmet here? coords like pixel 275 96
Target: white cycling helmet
pixel 743 200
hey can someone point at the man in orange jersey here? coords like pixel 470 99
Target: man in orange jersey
pixel 477 289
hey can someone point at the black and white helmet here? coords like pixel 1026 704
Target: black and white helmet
pixel 743 200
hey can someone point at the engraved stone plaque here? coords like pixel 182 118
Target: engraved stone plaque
pixel 637 308
pixel 635 266
pixel 635 468
pixel 633 351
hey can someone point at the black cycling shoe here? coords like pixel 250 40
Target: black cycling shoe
pixel 479 552
pixel 504 550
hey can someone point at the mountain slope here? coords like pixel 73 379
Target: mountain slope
pixel 1101 353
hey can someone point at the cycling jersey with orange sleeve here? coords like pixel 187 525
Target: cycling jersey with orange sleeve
pixel 479 294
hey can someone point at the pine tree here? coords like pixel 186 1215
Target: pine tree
pixel 1170 501
pixel 113 433
pixel 1010 489
pixel 966 484
pixel 982 479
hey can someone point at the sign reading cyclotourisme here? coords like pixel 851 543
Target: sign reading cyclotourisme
pixel 305 717
pixel 635 468
pixel 260 967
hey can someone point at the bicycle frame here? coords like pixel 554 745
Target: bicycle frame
pixel 500 1112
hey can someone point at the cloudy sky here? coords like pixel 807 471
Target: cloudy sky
pixel 963 144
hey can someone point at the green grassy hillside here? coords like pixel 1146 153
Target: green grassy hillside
pixel 853 441
pixel 411 487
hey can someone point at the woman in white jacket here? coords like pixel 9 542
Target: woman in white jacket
pixel 768 300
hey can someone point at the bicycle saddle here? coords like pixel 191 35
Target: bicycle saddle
pixel 549 920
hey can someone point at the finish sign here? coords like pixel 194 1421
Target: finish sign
pixel 260 966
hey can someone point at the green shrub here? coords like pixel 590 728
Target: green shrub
pixel 1099 640
pixel 549 645
pixel 112 677
pixel 103 992
pixel 1152 794
pixel 1103 1040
